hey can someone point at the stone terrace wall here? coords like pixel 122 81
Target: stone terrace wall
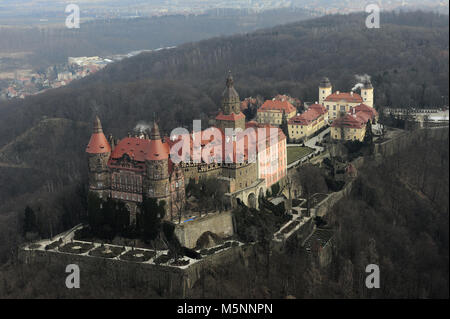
pixel 172 282
pixel 325 206
pixel 220 224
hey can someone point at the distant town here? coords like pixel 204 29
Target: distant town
pixel 28 82
pixel 125 9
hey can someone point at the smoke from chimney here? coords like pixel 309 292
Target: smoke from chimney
pixel 360 79
pixel 142 127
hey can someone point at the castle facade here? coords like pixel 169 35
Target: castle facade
pixel 141 166
pixel 338 103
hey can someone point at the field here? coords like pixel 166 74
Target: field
pixel 294 153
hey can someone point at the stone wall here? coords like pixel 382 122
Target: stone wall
pixel 219 223
pixel 303 232
pixel 404 139
pixel 170 282
pixel 325 206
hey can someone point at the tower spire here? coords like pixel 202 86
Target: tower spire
pixel 230 81
pixel 230 98
pixel 97 125
pixel 154 132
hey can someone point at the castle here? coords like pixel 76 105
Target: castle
pixel 137 167
pixel 349 112
pixel 342 102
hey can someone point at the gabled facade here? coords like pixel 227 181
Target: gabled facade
pixel 352 126
pixel 273 111
pixel 306 124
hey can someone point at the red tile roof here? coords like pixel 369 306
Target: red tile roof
pixel 367 109
pixel 141 149
pixel 349 121
pixel 318 108
pixel 312 114
pixel 230 117
pixel 364 116
pixel 348 97
pixel 275 105
pixel 224 141
pixel 98 144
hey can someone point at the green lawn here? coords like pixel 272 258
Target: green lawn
pixel 296 152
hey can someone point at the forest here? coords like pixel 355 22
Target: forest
pixel 407 59
pixel 396 216
pixel 43 138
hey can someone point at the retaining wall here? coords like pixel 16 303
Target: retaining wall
pixel 220 224
pixel 171 282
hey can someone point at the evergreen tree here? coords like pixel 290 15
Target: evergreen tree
pixel 150 218
pixel 30 224
pixel 284 125
pixel 275 189
pixel 95 216
pixel 368 137
pixel 116 218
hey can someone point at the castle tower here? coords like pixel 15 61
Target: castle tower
pixel 367 93
pixel 157 168
pixel 231 115
pixel 325 89
pixel 231 102
pixel 98 151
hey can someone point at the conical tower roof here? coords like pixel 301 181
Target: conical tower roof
pixel 98 143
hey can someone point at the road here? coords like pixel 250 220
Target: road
pixel 312 141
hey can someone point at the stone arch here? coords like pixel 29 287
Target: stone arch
pixel 251 200
pixel 261 192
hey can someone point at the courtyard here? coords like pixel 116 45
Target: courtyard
pixel 294 153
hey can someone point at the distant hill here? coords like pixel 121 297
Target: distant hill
pixel 51 44
pixel 407 59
